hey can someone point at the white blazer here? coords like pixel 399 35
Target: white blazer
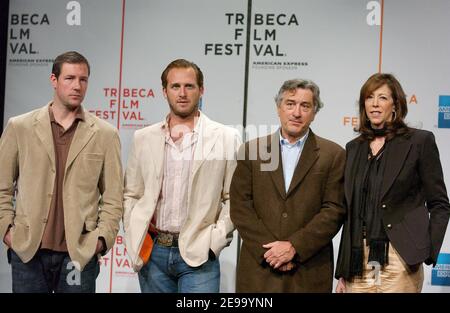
pixel 208 224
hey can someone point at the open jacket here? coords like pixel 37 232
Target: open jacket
pixel 308 215
pixel 414 203
pixel 208 224
pixel 92 191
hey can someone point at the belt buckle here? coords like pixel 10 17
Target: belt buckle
pixel 165 239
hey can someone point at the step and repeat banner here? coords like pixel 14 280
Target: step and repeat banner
pixel 338 44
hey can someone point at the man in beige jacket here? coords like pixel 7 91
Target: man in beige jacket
pixel 61 165
pixel 176 187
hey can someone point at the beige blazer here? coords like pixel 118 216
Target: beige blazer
pixel 208 224
pixel 92 191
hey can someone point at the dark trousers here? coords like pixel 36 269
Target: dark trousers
pixel 50 271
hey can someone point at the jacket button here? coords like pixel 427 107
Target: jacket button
pixel 389 226
pixel 384 206
pixel 44 220
pixel 284 214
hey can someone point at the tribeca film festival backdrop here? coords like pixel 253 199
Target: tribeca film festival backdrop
pixel 246 49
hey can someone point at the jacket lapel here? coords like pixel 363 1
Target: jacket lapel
pixel 273 147
pixel 156 149
pixel 84 132
pixel 309 156
pixel 350 167
pixel 43 130
pixel 207 138
pixel 396 157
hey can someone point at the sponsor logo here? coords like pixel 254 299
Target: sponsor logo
pixel 440 274
pixel 444 112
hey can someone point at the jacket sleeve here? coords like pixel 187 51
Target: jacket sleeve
pixel 134 184
pixel 243 213
pixel 111 189
pixel 320 231
pixel 431 175
pixel 9 171
pixel 222 233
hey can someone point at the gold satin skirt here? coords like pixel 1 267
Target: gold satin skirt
pixel 396 276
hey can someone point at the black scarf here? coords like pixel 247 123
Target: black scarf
pixel 379 132
pixel 365 210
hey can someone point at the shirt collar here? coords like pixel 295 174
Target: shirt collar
pixel 78 116
pixel 198 121
pixel 299 142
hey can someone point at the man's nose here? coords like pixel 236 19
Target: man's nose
pixel 77 84
pixel 297 110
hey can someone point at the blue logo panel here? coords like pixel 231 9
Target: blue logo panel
pixel 440 274
pixel 444 112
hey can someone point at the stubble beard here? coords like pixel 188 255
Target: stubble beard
pixel 72 107
pixel 183 114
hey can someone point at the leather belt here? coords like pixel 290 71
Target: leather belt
pixel 167 239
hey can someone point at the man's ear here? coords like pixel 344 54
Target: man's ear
pixel 53 80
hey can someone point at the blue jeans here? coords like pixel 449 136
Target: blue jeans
pixel 51 271
pixel 167 272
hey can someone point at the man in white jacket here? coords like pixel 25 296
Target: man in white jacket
pixel 177 191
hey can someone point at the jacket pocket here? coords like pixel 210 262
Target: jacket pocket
pixel 91 167
pixel 93 156
pixel 416 224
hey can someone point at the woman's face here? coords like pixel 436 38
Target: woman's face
pixel 379 106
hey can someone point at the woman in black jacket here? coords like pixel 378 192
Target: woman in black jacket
pixel 397 204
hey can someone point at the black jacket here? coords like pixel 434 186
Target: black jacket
pixel 414 202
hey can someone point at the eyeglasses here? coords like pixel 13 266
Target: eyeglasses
pixel 305 107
